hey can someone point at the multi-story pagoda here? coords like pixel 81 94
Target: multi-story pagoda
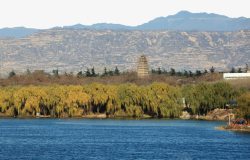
pixel 142 68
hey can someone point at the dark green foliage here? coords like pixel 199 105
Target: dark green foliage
pixel 156 100
pixel 185 73
pixel 198 73
pixel 243 111
pixel 93 74
pixel 172 71
pixel 12 74
pixel 159 71
pixel 79 74
pixel 153 71
pixel 88 74
pixel 105 71
pixel 116 72
pixel 212 69
pixel 179 73
pixel 232 70
pixel 190 73
pixel 111 73
pixel 203 98
pixel 55 72
pixel 239 70
pixel 205 71
pixel 246 68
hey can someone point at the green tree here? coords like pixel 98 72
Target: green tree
pixel 246 68
pixel 232 70
pixel 159 70
pixel 172 71
pixel 185 73
pixel 212 69
pixel 239 70
pixel 93 74
pixel 105 73
pixel 79 74
pixel 243 109
pixel 179 73
pixel 198 73
pixel 111 73
pixel 12 74
pixel 88 74
pixel 116 72
pixel 190 73
pixel 165 71
pixel 205 71
pixel 55 72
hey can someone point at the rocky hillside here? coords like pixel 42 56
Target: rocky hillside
pixel 75 49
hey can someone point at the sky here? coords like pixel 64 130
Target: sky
pixel 50 13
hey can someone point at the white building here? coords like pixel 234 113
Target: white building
pixel 236 75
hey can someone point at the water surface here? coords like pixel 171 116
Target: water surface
pixel 57 139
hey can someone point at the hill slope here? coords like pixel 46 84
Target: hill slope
pixel 76 49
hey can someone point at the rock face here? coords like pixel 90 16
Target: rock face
pixel 77 49
pixel 185 115
pixel 216 114
pixel 219 114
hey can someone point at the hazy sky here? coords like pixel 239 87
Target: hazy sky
pixel 50 13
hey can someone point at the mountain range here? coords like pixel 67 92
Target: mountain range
pixel 182 21
pixel 184 41
pixel 72 50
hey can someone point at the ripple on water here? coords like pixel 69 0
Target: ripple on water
pixel 119 139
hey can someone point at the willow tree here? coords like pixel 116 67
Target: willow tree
pixel 27 100
pixel 191 102
pixel 243 109
pixel 222 93
pixel 113 102
pixel 163 100
pixel 98 97
pixel 6 101
pixel 75 100
pixel 130 99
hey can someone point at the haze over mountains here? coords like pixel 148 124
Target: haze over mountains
pixel 182 21
pixel 182 41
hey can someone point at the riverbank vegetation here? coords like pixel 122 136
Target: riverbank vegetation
pixel 159 100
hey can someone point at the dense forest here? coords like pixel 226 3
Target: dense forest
pixel 158 100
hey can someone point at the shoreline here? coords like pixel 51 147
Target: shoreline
pixel 223 128
pixel 106 117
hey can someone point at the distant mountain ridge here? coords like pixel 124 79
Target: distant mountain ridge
pixel 182 21
pixel 17 32
pixel 187 21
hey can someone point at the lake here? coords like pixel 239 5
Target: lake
pixel 58 139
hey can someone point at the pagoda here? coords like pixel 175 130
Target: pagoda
pixel 142 67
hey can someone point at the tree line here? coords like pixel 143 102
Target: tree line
pixel 186 73
pixel 90 72
pixel 158 100
pixel 189 73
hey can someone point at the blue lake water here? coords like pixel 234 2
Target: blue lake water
pixel 58 139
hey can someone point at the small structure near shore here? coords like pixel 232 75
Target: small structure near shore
pixel 142 68
pixel 236 75
pixel 245 75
